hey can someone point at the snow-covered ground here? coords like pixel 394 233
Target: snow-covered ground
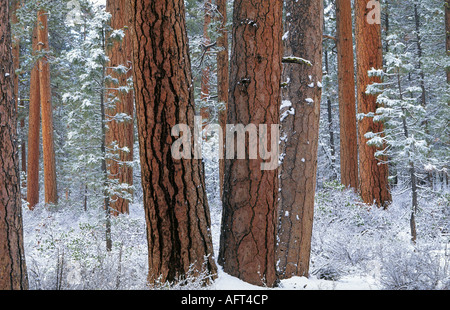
pixel 354 246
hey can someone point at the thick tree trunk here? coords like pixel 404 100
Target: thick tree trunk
pixel 175 201
pixel 347 96
pixel 51 195
pixel 13 274
pixel 373 174
pixel 34 128
pixel 250 198
pixel 222 76
pixel 300 133
pixel 119 133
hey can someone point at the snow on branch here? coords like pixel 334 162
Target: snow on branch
pixel 296 60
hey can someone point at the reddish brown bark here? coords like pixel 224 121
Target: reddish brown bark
pixel 347 96
pixel 175 201
pixel 120 133
pixel 222 75
pixel 247 245
pixel 373 175
pixel 34 126
pixel 13 274
pixel 51 196
pixel 300 133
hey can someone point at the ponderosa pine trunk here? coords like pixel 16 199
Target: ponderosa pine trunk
pixel 250 198
pixel 119 133
pixel 373 172
pixel 347 96
pixel 175 201
pixel 34 129
pixel 13 274
pixel 51 194
pixel 300 136
pixel 222 76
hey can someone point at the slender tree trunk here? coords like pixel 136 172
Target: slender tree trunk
pixel 119 133
pixel 330 124
pixel 51 195
pixel 373 175
pixel 106 196
pixel 175 201
pixel 247 245
pixel 222 76
pixel 299 167
pixel 13 274
pixel 411 168
pixel 206 72
pixel 347 96
pixel 423 97
pixel 16 57
pixel 107 200
pixel 447 30
pixel 34 128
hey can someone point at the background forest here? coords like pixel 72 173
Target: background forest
pixel 71 242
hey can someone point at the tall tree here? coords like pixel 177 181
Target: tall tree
pixel 347 96
pixel 120 107
pixel 250 198
pixel 373 173
pixel 300 135
pixel 15 5
pixel 222 75
pixel 206 71
pixel 51 195
pixel 13 274
pixel 175 201
pixel 34 128
pixel 447 34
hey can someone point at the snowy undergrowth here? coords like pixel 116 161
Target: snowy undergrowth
pixel 354 246
pixel 66 249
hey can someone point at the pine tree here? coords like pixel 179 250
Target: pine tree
pixel 250 198
pixel 300 135
pixel 347 98
pixel 401 112
pixel 119 108
pixel 175 202
pixel 13 274
pixel 34 128
pixel 51 194
pixel 222 75
pixel 373 174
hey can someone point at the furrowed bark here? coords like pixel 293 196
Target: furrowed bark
pixel 347 96
pixel 373 174
pixel 247 245
pixel 222 76
pixel 301 135
pixel 51 194
pixel 13 274
pixel 175 201
pixel 119 133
